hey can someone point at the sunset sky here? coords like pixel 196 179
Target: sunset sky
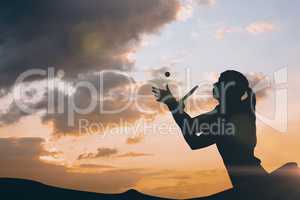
pixel 122 48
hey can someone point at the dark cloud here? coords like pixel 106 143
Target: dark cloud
pixel 126 101
pixel 114 93
pixel 32 147
pixel 113 111
pixel 20 159
pixel 101 152
pixel 111 95
pixel 13 115
pixel 77 36
pixel 81 38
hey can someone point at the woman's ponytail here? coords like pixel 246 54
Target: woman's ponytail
pixel 250 101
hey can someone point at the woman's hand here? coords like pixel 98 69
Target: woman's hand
pixel 163 95
pixel 166 96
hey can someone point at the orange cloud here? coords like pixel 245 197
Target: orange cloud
pixel 134 154
pixel 261 27
pixel 27 152
pixel 220 33
pixel 185 183
pixel 95 166
pixel 135 139
pixel 254 28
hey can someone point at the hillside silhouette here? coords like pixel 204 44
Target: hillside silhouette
pixel 282 184
pixel 26 189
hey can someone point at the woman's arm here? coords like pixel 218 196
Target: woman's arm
pixel 193 129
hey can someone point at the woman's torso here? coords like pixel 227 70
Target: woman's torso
pixel 236 142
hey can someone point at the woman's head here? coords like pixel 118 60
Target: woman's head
pixel 232 88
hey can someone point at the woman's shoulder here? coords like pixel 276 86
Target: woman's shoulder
pixel 214 113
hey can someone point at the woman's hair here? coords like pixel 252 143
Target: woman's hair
pixel 239 89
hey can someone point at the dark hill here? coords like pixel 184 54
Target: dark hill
pixel 283 184
pixel 29 190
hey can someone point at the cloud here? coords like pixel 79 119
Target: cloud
pixel 254 28
pixel 135 139
pixel 95 166
pixel 110 152
pixel 185 11
pixel 182 177
pixel 27 151
pixel 133 154
pixel 159 72
pixel 126 100
pixel 82 39
pixel 117 98
pixel 187 8
pixel 120 108
pixel 184 184
pixel 260 83
pixel 32 148
pixel 125 103
pixel 206 2
pixel 76 36
pixel 220 33
pixel 101 153
pixel 261 27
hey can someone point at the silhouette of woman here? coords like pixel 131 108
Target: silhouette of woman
pixel 236 139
